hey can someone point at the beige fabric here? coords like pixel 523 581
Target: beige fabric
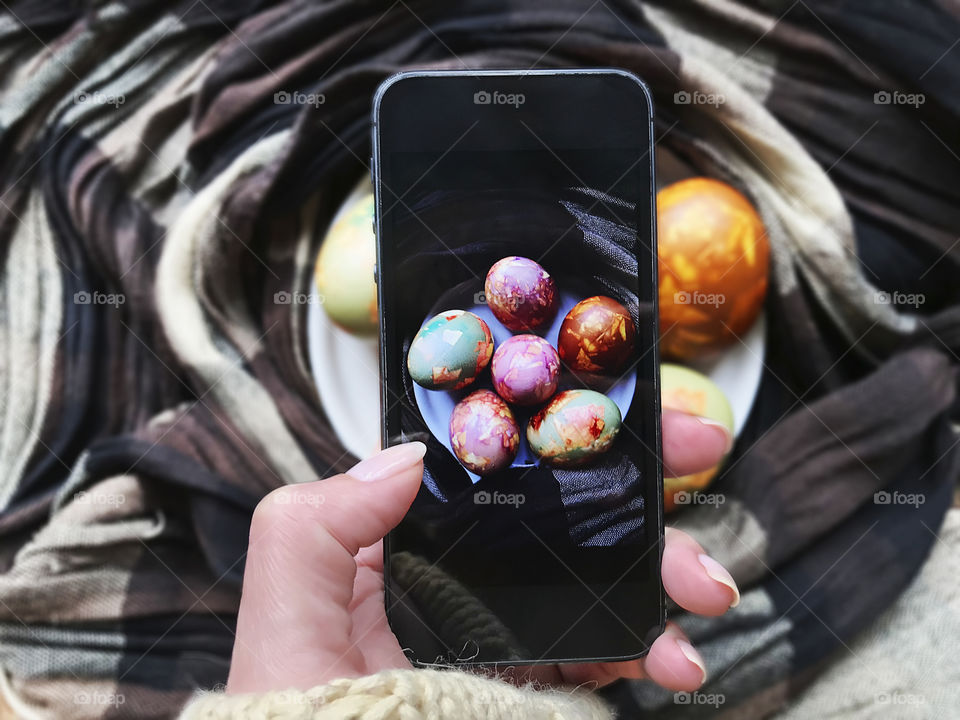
pixel 404 695
pixel 31 326
pixel 903 666
pixel 189 254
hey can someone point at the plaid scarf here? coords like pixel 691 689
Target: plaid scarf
pixel 166 169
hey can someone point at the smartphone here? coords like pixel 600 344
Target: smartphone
pixel 516 273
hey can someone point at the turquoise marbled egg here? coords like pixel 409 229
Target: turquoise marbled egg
pixel 450 351
pixel 574 428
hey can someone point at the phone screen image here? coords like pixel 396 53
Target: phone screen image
pixel 516 276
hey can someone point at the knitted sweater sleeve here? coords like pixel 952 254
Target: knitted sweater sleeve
pixel 404 694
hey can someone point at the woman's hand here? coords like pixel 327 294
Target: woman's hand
pixel 312 605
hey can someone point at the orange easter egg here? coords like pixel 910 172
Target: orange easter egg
pixel 713 259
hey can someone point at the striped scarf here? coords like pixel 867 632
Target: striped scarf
pixel 164 173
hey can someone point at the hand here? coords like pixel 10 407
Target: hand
pixel 312 605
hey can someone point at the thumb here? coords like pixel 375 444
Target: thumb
pixel 294 626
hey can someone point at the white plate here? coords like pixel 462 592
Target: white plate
pixel 737 371
pixel 346 369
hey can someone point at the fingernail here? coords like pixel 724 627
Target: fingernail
pixel 690 652
pixel 388 462
pixel 727 435
pixel 719 573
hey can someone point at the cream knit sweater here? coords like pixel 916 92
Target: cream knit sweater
pixel 404 695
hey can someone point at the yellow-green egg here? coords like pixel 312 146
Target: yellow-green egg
pixel 691 392
pixel 345 265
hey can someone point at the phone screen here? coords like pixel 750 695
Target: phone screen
pixel 516 273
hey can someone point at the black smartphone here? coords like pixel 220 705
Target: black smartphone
pixel 516 271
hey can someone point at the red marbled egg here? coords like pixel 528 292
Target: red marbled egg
pixel 520 293
pixel 597 336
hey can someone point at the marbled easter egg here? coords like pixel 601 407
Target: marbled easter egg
pixel 483 432
pixel 597 336
pixel 345 263
pixel 525 370
pixel 713 256
pixel 450 351
pixel 574 428
pixel 520 293
pixel 691 392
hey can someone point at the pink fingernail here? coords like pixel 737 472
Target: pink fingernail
pixel 719 573
pixel 389 462
pixel 727 435
pixel 690 652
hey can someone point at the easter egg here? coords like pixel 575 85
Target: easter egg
pixel 525 370
pixel 520 293
pixel 713 258
pixel 345 264
pixel 692 392
pixel 597 336
pixel 574 428
pixel 450 351
pixel 483 432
